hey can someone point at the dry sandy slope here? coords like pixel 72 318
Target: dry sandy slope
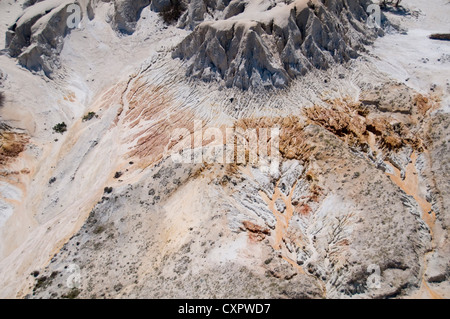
pixel 94 58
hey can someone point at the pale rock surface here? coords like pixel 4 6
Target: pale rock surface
pixel 37 36
pixel 127 13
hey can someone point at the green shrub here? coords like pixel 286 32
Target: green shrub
pixel 41 282
pixel 72 294
pixel 89 116
pixel 108 190
pixel 99 230
pixel 60 127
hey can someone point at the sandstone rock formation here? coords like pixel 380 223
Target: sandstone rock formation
pixel 264 44
pixel 126 13
pixel 12 143
pixel 37 36
pixel 244 43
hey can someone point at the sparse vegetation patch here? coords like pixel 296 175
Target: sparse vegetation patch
pixel 89 116
pixel 2 99
pixel 60 128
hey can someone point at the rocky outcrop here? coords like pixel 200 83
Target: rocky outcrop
pixel 271 45
pixel 127 13
pixel 160 5
pixel 37 36
pixel 201 10
pixel 240 43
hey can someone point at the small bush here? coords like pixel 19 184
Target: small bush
pixel 2 99
pixel 72 294
pixel 60 127
pixel 108 190
pixel 173 12
pixel 43 282
pixel 99 230
pixel 89 116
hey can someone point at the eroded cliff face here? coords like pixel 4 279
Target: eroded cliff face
pixel 37 36
pixel 351 203
pixel 267 44
pixel 244 44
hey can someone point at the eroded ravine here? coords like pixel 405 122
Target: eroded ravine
pixel 281 228
pixel 410 185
